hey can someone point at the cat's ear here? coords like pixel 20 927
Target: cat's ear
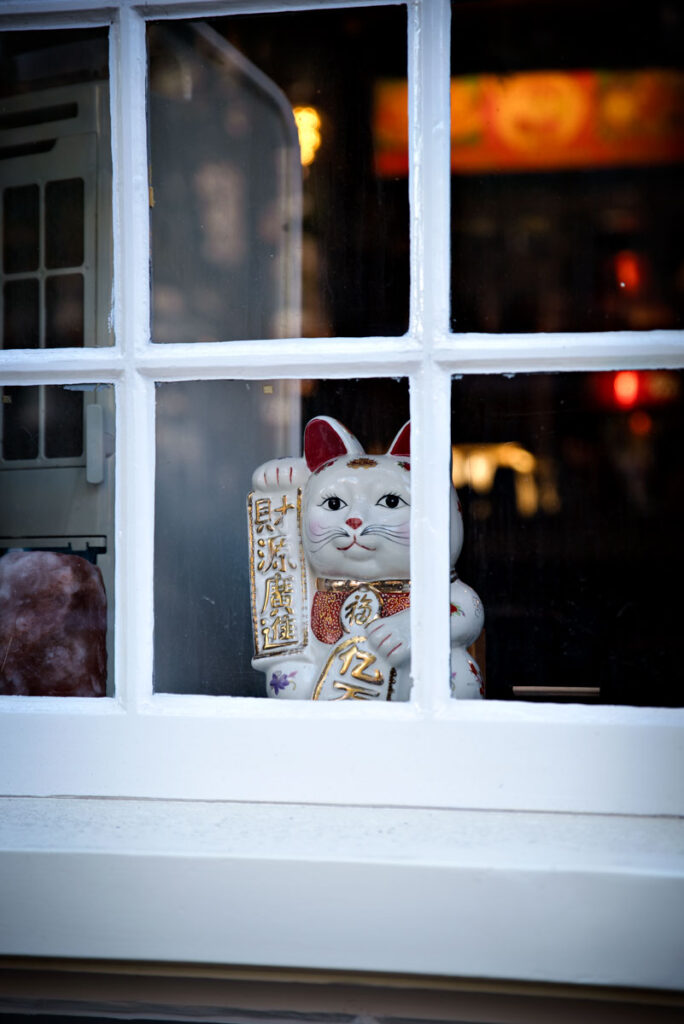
pixel 401 445
pixel 325 439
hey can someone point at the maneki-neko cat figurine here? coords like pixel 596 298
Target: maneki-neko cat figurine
pixel 330 580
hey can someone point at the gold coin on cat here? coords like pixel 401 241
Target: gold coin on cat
pixel 362 607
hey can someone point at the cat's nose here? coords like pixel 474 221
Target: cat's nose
pixel 354 523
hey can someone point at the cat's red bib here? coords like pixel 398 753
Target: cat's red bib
pixel 326 609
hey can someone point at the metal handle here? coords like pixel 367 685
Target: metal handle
pixel 94 444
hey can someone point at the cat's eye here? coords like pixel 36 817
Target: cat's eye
pixel 391 501
pixel 333 503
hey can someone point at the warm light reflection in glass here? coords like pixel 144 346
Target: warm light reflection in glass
pixel 626 387
pixel 308 123
pixel 477 465
pixel 628 270
pixel 640 423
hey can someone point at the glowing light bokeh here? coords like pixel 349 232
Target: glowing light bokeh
pixel 308 123
pixel 626 387
pixel 628 270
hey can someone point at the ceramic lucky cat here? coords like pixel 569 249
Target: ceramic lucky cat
pixel 336 624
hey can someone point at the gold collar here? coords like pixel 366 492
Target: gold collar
pixel 383 586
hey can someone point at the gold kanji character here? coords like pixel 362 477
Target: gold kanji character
pixel 280 631
pixel 351 692
pixel 283 509
pixel 358 672
pixel 278 593
pixel 262 515
pixel 272 553
pixel 360 610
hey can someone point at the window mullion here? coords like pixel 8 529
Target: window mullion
pixel 429 192
pixel 591 350
pixel 430 414
pixel 135 484
pixel 131 193
pixel 429 140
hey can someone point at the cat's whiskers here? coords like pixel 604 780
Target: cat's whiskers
pixel 393 533
pixel 322 539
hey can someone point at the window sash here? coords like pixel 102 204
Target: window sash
pixel 433 751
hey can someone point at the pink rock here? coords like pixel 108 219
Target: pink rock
pixel 53 626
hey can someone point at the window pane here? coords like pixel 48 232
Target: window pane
pixel 55 179
pixel 567 144
pixel 57 540
pixel 64 295
pixel 261 229
pixel 20 423
pixel 21 313
pixel 64 218
pixel 571 486
pixel 21 234
pixel 211 437
pixel 63 423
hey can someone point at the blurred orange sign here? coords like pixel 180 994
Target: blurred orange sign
pixel 545 120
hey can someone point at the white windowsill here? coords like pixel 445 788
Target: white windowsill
pixel 582 899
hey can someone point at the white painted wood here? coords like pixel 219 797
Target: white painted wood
pixel 134 624
pixel 429 139
pixel 430 354
pixel 399 888
pixel 21 14
pixel 286 357
pixel 493 353
pixel 233 749
pixel 430 175
pixel 538 897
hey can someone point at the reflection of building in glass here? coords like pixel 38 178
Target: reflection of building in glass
pixel 57 441
pixel 227 213
pixel 263 224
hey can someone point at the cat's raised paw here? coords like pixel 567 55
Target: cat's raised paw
pixel 390 638
pixel 286 473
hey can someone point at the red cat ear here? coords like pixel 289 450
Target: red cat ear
pixel 401 445
pixel 325 439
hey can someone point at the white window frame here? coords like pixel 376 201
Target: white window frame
pixel 493 754
pixel 432 753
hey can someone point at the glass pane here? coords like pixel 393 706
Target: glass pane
pixel 56 183
pixel 21 232
pixel 63 423
pixel 567 144
pixel 21 313
pixel 64 217
pixel 571 486
pixel 64 311
pixel 20 423
pixel 209 609
pixel 57 541
pixel 272 215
